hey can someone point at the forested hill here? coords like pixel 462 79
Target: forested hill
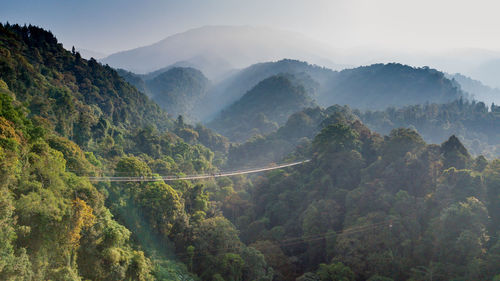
pixel 55 224
pixel 381 85
pixel 376 208
pixel 472 122
pixel 235 86
pixel 369 87
pixel 265 107
pixel 477 90
pixel 365 207
pixel 289 140
pixel 81 98
pixel 178 90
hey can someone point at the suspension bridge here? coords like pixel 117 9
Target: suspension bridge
pixel 197 176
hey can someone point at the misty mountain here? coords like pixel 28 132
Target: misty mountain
pixel 215 50
pixel 488 72
pixel 476 89
pixel 381 85
pixel 264 108
pixel 235 86
pixel 133 79
pixel 177 89
pixel 370 87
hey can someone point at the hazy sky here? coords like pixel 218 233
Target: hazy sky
pixel 112 25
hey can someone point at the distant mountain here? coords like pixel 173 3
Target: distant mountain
pixel 216 50
pixel 376 86
pixel 177 89
pixel 262 109
pixel 477 90
pixel 488 72
pixel 379 86
pixel 133 79
pixel 235 86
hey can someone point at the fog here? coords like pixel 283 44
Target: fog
pixel 455 36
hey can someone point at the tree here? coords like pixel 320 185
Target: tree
pixel 335 272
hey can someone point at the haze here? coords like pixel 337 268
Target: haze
pixel 115 25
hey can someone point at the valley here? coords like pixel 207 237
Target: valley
pixel 189 160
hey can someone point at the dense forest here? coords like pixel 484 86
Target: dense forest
pixel 473 122
pixel 264 108
pixel 64 118
pixel 372 87
pixel 376 208
pixel 185 91
pixel 375 201
pixel 178 90
pixel 380 85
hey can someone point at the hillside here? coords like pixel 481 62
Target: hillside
pixel 289 140
pixel 381 85
pixel 477 90
pixel 365 207
pixel 177 90
pixel 262 109
pixel 375 208
pixel 371 87
pixel 81 99
pixel 64 118
pixel 487 72
pixel 472 122
pixel 236 85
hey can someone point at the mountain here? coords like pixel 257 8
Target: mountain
pixel 236 85
pixel 178 90
pixel 262 109
pixel 290 140
pixel 368 207
pixel 133 79
pixel 473 122
pixel 487 72
pixel 216 50
pixel 477 90
pixel 81 99
pixel 65 120
pixel 381 85
pixel 370 87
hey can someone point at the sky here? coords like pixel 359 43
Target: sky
pixel 109 26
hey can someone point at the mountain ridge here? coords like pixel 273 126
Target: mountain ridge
pixel 239 46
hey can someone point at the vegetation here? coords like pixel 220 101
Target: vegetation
pixel 178 90
pixel 476 89
pixel 372 87
pixel 63 118
pixel 470 121
pixel 262 109
pixel 375 208
pixel 366 207
pixel 473 122
pixel 381 85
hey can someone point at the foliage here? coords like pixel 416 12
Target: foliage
pixel 63 118
pixel 392 208
pixel 471 122
pixel 263 108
